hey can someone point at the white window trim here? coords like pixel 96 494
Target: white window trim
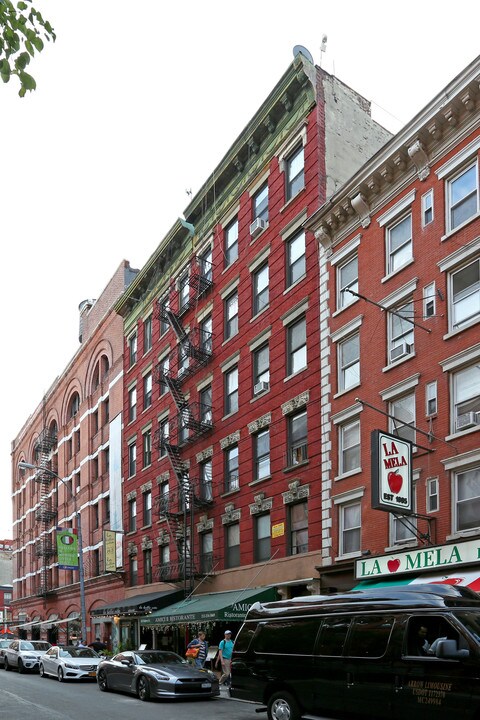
pixel 294 225
pixel 260 259
pixel 399 295
pixel 289 146
pixel 349 496
pixel 229 362
pixel 293 314
pixel 340 450
pixel 348 414
pixel 467 153
pixel 432 383
pixel 465 357
pixel 396 209
pixel 426 299
pixel 449 231
pixel 428 496
pixel 456 533
pixel 400 388
pixel 229 217
pixel 260 339
pixel 457 258
pixel 347 329
pixel 423 208
pixel 348 249
pixel 464 461
pixel 207 310
pixel 261 180
pixel 229 289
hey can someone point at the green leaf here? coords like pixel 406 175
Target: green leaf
pixel 22 61
pixel 22 6
pixel 5 78
pixel 27 81
pixel 29 47
pixel 22 92
pixel 38 42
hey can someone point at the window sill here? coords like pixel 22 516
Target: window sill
pixel 228 493
pixel 462 433
pixel 260 313
pixel 229 415
pixel 290 200
pixel 227 340
pixel 293 468
pixel 289 377
pixel 449 233
pixel 259 396
pixel 349 556
pixel 401 546
pixel 259 480
pixel 398 362
pixel 454 333
pixel 345 307
pixel 343 476
pixel 463 534
pixel 398 270
pixel 343 392
pixel 294 285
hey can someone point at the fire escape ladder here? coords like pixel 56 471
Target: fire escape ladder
pixel 45 512
pixel 201 272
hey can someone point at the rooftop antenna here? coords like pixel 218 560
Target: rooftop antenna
pixel 300 50
pixel 323 48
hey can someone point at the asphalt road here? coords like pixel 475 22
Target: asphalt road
pixel 30 697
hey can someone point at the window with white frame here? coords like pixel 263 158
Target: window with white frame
pixel 164 369
pixel 348 353
pixel 297 346
pixel 403 529
pixel 147 390
pixel 205 267
pixel 164 435
pixel 132 515
pixel 231 242
pixel 466 397
pixel 433 499
pixel 231 315
pixel 399 243
pixel 462 196
pixel 232 545
pixel 132 459
pixel 231 468
pixel 296 262
pixel 260 289
pixel 133 570
pixel 427 208
pixel 429 300
pixel 261 454
pixel 147 508
pixel 349 456
pixel 183 292
pixel 205 470
pixel 347 279
pixel 295 178
pixel 132 404
pixel 402 420
pixel 132 349
pixel 464 289
pixel 206 552
pixel 147 448
pixel 350 522
pixel 467 496
pixel 401 336
pixel 261 369
pixel 261 536
pixel 431 398
pixel 231 390
pixel 147 334
pixel 297 438
pixel 260 204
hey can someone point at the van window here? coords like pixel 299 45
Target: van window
pixel 292 637
pixel 369 636
pixel 332 636
pixel 424 630
pixel 244 637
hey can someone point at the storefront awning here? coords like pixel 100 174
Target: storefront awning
pixel 231 605
pixel 467 578
pixel 138 604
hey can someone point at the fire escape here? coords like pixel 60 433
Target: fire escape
pixel 193 420
pixel 45 512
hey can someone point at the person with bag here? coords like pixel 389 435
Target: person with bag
pixel 225 650
pixel 197 650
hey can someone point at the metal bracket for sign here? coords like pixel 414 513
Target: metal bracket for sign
pixel 407 523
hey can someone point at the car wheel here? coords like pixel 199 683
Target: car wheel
pixel 60 675
pixel 102 681
pixel 283 706
pixel 6 665
pixel 21 667
pixel 143 688
pixel 41 671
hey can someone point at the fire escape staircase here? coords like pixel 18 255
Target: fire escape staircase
pixel 45 512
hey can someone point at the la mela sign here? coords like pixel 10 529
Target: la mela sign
pixel 392 488
pixel 441 557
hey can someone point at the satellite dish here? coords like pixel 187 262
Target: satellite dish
pixel 300 50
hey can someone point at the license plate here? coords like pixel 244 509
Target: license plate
pixel 92 674
pixel 206 685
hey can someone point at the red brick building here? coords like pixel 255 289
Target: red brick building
pixel 402 351
pixel 222 434
pixel 74 437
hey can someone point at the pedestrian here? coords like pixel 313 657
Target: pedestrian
pixel 421 644
pixel 202 645
pixel 97 645
pixel 81 643
pixel 225 650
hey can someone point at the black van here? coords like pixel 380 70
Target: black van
pixel 399 652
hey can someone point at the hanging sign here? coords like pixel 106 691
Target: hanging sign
pixel 67 549
pixel 392 476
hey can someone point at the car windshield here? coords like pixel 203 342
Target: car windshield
pixel 153 657
pixel 471 620
pixel 76 652
pixel 26 646
pixel 38 645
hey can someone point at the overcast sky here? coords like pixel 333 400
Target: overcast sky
pixel 136 103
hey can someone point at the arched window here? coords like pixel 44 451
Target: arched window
pixel 74 405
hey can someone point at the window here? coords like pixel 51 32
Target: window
pixel 262 537
pixel 369 636
pixel 147 390
pixel 231 315
pixel 164 432
pixel 401 332
pixel 106 510
pixel 333 635
pixel 95 516
pixel 183 351
pixel 133 569
pixel 94 465
pixel 231 391
pixel 402 421
pixel 74 406
pixel 231 243
pixel 147 448
pixel 96 563
pixel 427 208
pixel 349 362
pixel 295 248
pixel 206 552
pixel 261 369
pixel 147 566
pixel 298 526
pixel 433 500
pixel 402 529
pixel 164 555
pixel 231 468
pixel 183 292
pixel 147 334
pixel 205 469
pixel 147 508
pixel 462 196
pixel 206 405
pixel 295 180
pixel 467 486
pixel 260 204
pixel 431 398
pixel 347 279
pixel 466 397
pixel 261 454
pixel 206 335
pixel 132 404
pixel 297 346
pixel 164 308
pixel 350 523
pixel 399 243
pixel 429 297
pixel 465 295
pixel 132 459
pixel 349 447
pixel 95 425
pixel 297 439
pixel 106 411
pixel 164 368
pixel 132 349
pixel 206 268
pixel 260 289
pixel 132 515
pixel 232 542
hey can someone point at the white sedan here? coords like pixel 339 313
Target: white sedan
pixel 69 663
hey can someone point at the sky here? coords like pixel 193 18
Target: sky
pixel 136 104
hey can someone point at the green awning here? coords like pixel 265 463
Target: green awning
pixel 210 607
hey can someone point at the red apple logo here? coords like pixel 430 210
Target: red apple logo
pixel 395 482
pixel 393 565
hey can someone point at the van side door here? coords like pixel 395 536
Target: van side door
pixel 330 672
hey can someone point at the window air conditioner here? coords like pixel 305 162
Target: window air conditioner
pixel 466 420
pixel 400 351
pixel 257 227
pixel 261 387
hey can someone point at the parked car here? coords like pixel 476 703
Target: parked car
pixel 156 674
pixel 3 645
pixel 24 654
pixel 69 663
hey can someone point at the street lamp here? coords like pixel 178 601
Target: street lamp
pixel 28 466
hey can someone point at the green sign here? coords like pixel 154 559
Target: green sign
pixel 67 549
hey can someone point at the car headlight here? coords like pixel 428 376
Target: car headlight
pixel 70 666
pixel 159 675
pixel 29 657
pixel 211 675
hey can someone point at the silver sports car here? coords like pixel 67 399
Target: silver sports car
pixel 157 674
